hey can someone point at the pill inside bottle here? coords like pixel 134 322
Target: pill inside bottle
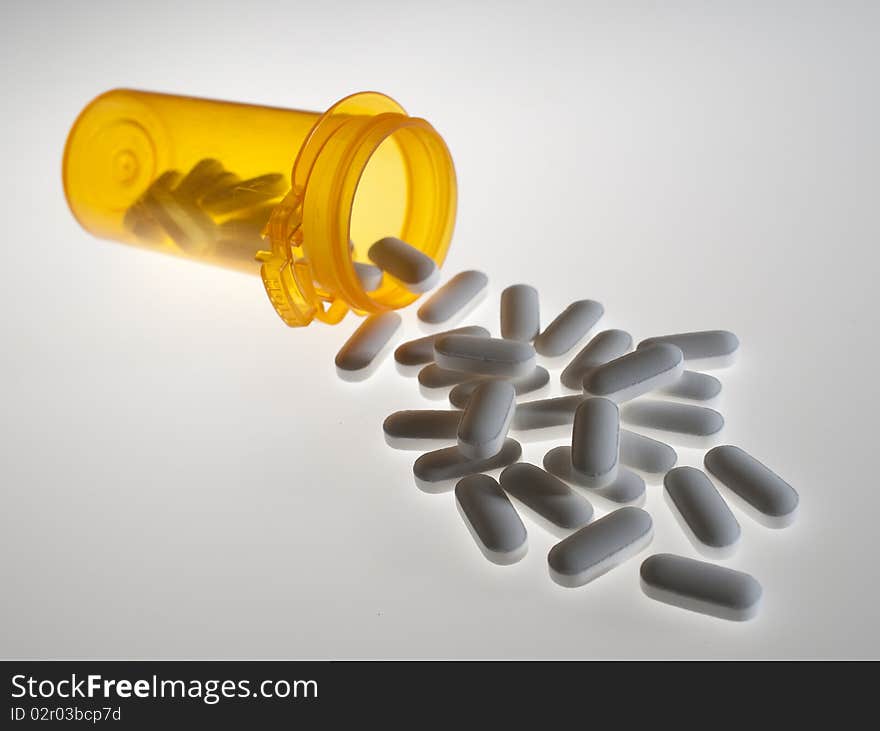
pixel 297 197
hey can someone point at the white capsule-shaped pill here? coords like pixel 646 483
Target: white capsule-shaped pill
pixel 459 294
pixel 628 487
pixel 362 352
pixel 434 381
pixel 245 193
pixel 681 423
pixel 183 222
pixel 369 276
pixel 693 386
pixel 645 454
pixel 421 350
pixel 598 547
pixel 701 587
pixel 491 519
pixel 484 356
pixel 414 269
pixel 635 373
pixel 486 419
pixel 200 177
pixel 761 492
pixel 606 346
pixel 520 313
pixel 538 378
pixel 421 429
pixel 595 441
pixel 543 419
pixel 702 350
pixel 701 511
pixel 569 328
pixel 546 499
pixel 434 470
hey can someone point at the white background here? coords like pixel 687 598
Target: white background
pixel 183 476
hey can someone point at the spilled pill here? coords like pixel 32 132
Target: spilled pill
pixel 491 519
pixel 520 313
pixel 538 378
pixel 433 376
pixel 484 356
pixel 452 298
pixel 413 269
pixel 645 454
pixel 360 355
pixel 551 502
pixel 421 350
pixel 369 276
pixel 600 546
pixel 449 463
pixel 604 347
pixel 542 413
pixel 700 587
pixel 569 327
pixel 595 441
pixel 775 501
pixel 636 373
pixel 412 429
pixel 693 386
pixel 628 487
pixel 690 423
pixel 702 350
pixel 707 519
pixel 486 419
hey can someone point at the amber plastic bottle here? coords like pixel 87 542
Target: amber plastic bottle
pixel 296 196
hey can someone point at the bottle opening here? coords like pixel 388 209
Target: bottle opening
pixel 376 175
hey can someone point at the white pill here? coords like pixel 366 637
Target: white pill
pixel 595 441
pixel 543 413
pixel 245 193
pixel 413 269
pixel 360 355
pixel 200 176
pixel 703 350
pixel 546 499
pixel 606 346
pixel 520 313
pixel 491 519
pixel 369 276
pixel 421 350
pixel 701 511
pixel 538 378
pixel 645 454
pixel 600 546
pixel 627 488
pixel 701 587
pixel 453 297
pixel 434 470
pixel 767 497
pixel 636 373
pixel 433 377
pixel 486 419
pixel 420 429
pixel 690 425
pixel 693 386
pixel 484 356
pixel 569 327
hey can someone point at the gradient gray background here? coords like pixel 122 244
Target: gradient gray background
pixel 690 165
